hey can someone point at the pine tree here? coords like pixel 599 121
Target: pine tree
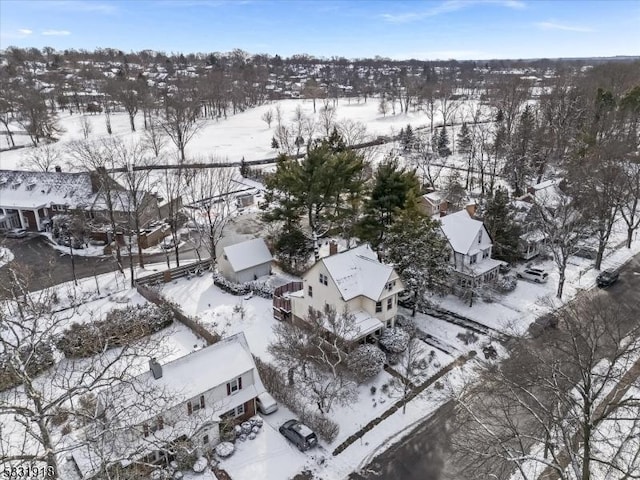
pixel 464 140
pixel 443 143
pixel 419 252
pixel 244 168
pixel 274 143
pixel 504 231
pixel 519 160
pixel 391 188
pixel 407 138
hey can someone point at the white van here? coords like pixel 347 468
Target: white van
pixel 536 275
pixel 266 404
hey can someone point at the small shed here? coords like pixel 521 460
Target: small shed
pixel 246 261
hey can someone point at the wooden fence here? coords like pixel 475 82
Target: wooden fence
pixel 281 304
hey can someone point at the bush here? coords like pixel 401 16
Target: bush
pixel 394 340
pixel 506 283
pixel 257 288
pixel 35 359
pixel 468 337
pixel 120 327
pixel 365 362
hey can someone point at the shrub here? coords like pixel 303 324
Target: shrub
pixel 394 340
pixel 468 337
pixel 257 288
pixel 506 283
pixel 35 359
pixel 365 362
pixel 373 389
pixel 119 328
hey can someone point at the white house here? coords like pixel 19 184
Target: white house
pixel 354 280
pixel 471 247
pixel 191 398
pixel 246 261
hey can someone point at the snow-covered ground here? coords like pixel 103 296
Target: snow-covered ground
pixel 6 256
pixel 244 135
pixel 515 311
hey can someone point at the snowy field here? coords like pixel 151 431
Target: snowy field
pixel 244 135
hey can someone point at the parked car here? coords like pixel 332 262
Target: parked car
pixel 589 253
pixel 533 274
pixel 266 403
pixel 299 434
pixel 168 244
pixel 606 278
pixel 17 233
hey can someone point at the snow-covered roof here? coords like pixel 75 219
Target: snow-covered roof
pixel 462 232
pixel 247 254
pixel 364 325
pixel 548 193
pixel 25 189
pixel 196 373
pixel 358 272
pixel 434 197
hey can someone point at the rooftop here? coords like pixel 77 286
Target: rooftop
pixel 247 254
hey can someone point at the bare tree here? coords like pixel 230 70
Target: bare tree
pixel 314 354
pixel 563 407
pixel 172 185
pixel 209 193
pixel 53 394
pixel 34 116
pixel 134 199
pixel 85 126
pixel 630 202
pixel 98 158
pixel 181 118
pixel 562 223
pixel 43 157
pixel 267 117
pixel 154 138
pixel 327 118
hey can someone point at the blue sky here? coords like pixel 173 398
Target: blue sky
pixel 422 29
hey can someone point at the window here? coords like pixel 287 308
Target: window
pixel 378 307
pixel 485 253
pixel 310 291
pixel 234 386
pixel 390 285
pixel 389 323
pixel 234 412
pixel 389 303
pixel 240 410
pixel 473 259
pixel 480 237
pixel 323 279
pixel 194 406
pixel 205 439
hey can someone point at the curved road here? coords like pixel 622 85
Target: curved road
pixel 424 453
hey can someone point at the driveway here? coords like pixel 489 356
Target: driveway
pixel 50 266
pixel 425 452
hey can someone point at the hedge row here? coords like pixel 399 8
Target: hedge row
pixel 35 359
pixel 119 328
pixel 326 428
pixel 257 288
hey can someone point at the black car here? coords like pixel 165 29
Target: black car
pixel 299 434
pixel 606 278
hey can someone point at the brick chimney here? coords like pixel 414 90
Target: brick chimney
pixel 471 209
pixel 156 368
pixel 333 247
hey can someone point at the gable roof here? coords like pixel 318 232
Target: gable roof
pixel 26 189
pixel 462 231
pixel 247 254
pixel 358 272
pixel 435 198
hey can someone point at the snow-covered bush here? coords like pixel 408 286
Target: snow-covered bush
pixel 34 359
pixel 257 288
pixel 326 428
pixel 366 361
pixel 200 465
pixel 394 340
pixel 119 328
pixel 506 283
pixel 225 449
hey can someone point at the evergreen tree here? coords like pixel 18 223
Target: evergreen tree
pixel 317 186
pixel 443 143
pixel 418 251
pixel 391 187
pixel 521 152
pixel 464 140
pixel 274 143
pixel 504 231
pixel 407 138
pixel 244 168
pixel 292 247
